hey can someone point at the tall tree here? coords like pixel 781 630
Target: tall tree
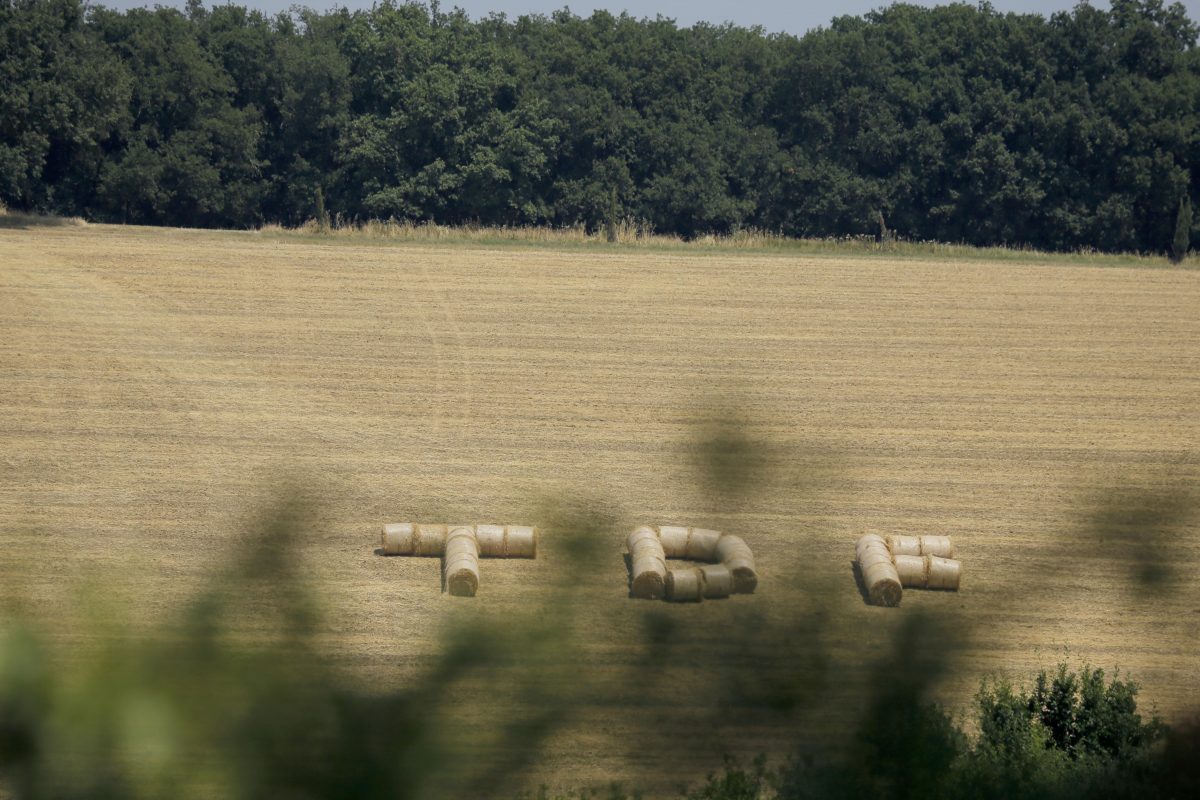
pixel 61 94
pixel 955 123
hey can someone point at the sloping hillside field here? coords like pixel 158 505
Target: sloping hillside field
pixel 159 386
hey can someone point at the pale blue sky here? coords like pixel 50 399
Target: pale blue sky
pixel 772 15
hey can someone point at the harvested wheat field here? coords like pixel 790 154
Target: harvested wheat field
pixel 159 385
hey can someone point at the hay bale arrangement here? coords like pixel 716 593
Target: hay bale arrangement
pixel 878 572
pixel 939 546
pixel 928 572
pixel 647 564
pixel 685 585
pixel 397 539
pixel 718 581
pixel 730 568
pixel 407 539
pixel 674 540
pixel 735 554
pixel 487 541
pixel 906 562
pixel 431 540
pixel 462 561
pixel 506 541
pixel 693 584
pixel 944 573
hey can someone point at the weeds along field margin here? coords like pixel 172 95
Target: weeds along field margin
pixel 630 235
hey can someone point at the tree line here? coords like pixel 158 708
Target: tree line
pixel 957 123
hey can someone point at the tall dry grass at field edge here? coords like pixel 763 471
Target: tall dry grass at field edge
pixel 642 235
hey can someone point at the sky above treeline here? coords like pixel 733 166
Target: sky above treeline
pixel 773 15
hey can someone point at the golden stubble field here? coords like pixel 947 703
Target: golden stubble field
pixel 157 384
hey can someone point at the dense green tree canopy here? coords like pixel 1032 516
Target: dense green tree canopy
pixel 955 123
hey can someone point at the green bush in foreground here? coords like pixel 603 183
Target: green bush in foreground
pixel 1072 734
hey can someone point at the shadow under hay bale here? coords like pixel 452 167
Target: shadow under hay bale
pixel 859 583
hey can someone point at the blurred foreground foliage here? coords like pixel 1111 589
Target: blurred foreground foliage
pixel 232 697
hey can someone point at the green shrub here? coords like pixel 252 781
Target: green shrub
pixel 1070 735
pixel 736 783
pixel 1085 716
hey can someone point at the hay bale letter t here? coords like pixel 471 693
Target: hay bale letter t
pixel 461 546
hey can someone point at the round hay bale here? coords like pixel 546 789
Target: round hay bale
pixel 642 536
pixel 429 540
pixel 702 545
pixel 397 539
pixel 718 580
pixel 940 546
pixel 685 585
pixel 735 554
pixel 674 539
pixel 648 564
pixel 879 574
pixel 520 542
pixel 913 571
pixel 928 572
pixel 944 573
pixel 491 540
pixel 462 561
